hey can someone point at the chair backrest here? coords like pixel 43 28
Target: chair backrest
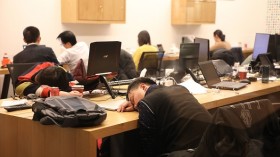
pixel 237 54
pixel 16 69
pixel 239 129
pixel 151 61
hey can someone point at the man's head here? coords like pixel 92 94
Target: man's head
pixel 137 89
pixel 31 34
pixel 67 38
pixel 54 76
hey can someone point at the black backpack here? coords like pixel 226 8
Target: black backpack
pixel 68 111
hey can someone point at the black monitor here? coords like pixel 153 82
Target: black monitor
pixel 188 56
pixel 203 49
pixel 186 40
pixel 260 45
pixel 104 59
pixel 274 47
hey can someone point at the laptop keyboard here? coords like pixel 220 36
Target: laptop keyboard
pixel 120 82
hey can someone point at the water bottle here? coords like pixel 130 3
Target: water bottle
pixel 5 60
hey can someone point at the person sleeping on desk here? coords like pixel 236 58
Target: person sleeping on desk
pixel 39 79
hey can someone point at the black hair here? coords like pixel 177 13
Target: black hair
pixel 137 82
pixel 220 34
pixel 31 34
pixel 67 36
pixel 144 38
pixel 54 76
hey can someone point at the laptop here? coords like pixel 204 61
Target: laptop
pixel 265 59
pixel 104 57
pixel 213 80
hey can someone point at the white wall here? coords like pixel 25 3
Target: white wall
pixel 239 19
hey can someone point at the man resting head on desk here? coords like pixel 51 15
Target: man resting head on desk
pixel 170 118
pixel 40 78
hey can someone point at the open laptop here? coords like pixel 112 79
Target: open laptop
pixel 213 80
pixel 104 57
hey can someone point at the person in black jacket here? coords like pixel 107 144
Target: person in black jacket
pixel 34 52
pixel 127 68
pixel 170 118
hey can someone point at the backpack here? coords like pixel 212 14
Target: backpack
pixel 68 111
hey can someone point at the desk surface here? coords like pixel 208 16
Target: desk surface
pixel 4 71
pixel 22 137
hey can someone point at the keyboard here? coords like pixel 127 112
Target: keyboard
pixel 120 82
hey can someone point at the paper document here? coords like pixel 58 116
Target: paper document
pixel 6 103
pixel 194 87
pixel 111 105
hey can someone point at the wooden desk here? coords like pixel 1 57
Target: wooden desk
pixel 22 137
pixel 6 82
pixel 170 57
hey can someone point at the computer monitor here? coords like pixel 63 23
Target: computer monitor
pixel 188 56
pixel 260 45
pixel 203 49
pixel 274 47
pixel 186 39
pixel 104 59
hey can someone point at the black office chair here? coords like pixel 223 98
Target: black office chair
pixel 152 62
pixel 243 129
pixel 237 54
pixel 16 69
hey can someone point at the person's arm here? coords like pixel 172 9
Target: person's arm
pixel 64 57
pixel 147 130
pixel 126 107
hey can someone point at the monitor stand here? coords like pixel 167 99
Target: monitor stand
pixel 105 82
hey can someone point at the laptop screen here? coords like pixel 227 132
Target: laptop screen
pixel 209 72
pixel 103 57
pixel 260 45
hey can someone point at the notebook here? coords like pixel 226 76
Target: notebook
pixel 111 105
pixel 213 80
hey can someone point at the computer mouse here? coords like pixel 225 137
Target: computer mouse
pixel 245 81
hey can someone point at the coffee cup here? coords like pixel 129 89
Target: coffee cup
pixel 242 72
pixel 79 88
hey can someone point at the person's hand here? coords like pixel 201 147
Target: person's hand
pixel 126 107
pixel 76 93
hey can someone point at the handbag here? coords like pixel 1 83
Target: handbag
pixel 68 111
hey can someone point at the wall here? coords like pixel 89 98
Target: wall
pixel 239 19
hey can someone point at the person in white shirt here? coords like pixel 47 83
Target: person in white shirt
pixel 74 51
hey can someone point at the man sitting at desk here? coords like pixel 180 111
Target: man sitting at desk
pixel 74 51
pixel 34 52
pixel 170 118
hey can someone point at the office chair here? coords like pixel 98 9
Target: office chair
pixel 152 62
pixel 16 69
pixel 237 54
pixel 244 129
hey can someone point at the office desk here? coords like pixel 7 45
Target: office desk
pixel 22 137
pixel 172 57
pixel 6 82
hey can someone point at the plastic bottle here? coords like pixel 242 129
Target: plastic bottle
pixel 5 60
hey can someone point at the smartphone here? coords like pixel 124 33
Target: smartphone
pixel 265 73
